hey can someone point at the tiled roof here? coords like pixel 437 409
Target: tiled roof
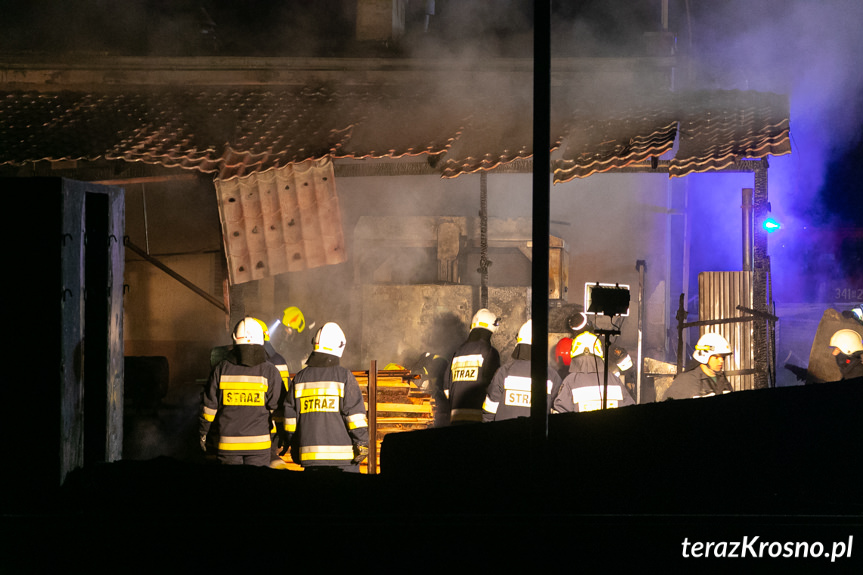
pixel 236 132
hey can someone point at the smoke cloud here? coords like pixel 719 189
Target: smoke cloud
pixel 807 50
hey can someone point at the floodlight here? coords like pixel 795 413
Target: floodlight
pixel 608 299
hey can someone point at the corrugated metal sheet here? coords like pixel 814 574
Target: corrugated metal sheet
pixel 281 220
pixel 234 133
pixel 719 294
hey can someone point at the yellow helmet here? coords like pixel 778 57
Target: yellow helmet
pixel 294 319
pixel 586 342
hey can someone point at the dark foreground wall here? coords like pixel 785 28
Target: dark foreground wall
pixel 635 486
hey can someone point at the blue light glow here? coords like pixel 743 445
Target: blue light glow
pixel 771 225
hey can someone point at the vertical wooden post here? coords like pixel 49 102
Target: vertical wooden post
pixel 760 265
pixel 372 460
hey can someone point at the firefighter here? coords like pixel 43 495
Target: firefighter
pixel 509 394
pixel 471 368
pixel 707 377
pixel 324 409
pixel 562 356
pixel 277 427
pixel 429 372
pixel 240 396
pixel 286 336
pixel 848 351
pixel 582 389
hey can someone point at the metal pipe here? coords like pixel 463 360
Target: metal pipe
pixel 747 229
pixel 640 266
pixel 146 226
pixel 483 240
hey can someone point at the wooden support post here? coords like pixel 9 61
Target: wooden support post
pixel 372 460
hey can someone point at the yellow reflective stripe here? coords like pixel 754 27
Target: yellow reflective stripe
pixel 517 383
pixel 313 388
pixel 209 414
pixel 358 420
pixel 243 443
pixel 489 405
pixel 315 452
pixel 594 393
pixel 461 361
pixel 465 415
pixel 291 424
pixel 245 382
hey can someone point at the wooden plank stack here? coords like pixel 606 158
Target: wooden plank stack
pixel 401 406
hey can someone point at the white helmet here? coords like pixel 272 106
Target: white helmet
pixel 710 344
pixel 525 333
pixel 847 340
pixel 248 330
pixel 486 320
pixel 330 339
pixel 586 342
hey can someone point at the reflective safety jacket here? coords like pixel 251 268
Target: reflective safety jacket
pixel 239 400
pixel 696 383
pixel 281 364
pixel 325 413
pixel 470 372
pixel 582 389
pixel 509 394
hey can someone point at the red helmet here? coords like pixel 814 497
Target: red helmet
pixel 563 349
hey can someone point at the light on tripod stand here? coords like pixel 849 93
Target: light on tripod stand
pixel 607 299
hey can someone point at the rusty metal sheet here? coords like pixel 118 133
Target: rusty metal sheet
pixel 281 220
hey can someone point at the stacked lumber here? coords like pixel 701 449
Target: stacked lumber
pixel 401 406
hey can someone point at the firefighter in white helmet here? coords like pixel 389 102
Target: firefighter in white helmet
pixel 848 351
pixel 707 377
pixel 471 368
pixel 278 425
pixel 583 389
pixel 324 410
pixel 240 397
pixel 509 394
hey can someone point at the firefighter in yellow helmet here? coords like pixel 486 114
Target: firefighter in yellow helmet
pixel 471 368
pixel 240 397
pixel 583 388
pixel 324 410
pixel 707 377
pixel 288 337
